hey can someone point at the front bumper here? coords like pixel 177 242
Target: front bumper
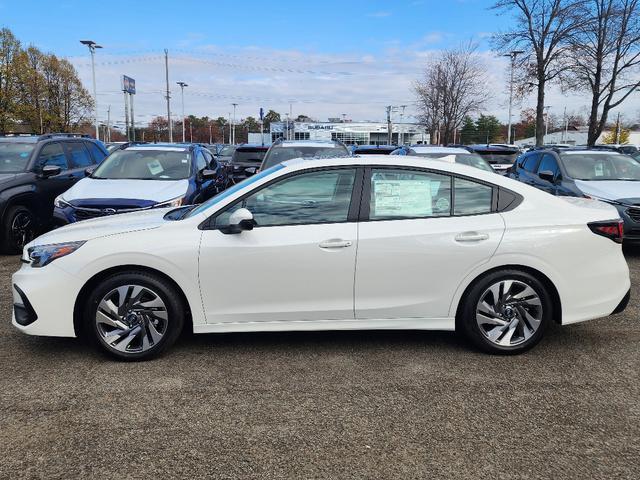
pixel 44 300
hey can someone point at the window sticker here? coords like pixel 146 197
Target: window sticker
pixel 599 169
pixel 155 167
pixel 406 198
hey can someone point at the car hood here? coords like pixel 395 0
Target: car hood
pixel 610 189
pixel 104 226
pixel 6 177
pixel 155 191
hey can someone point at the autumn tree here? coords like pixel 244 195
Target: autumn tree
pixel 542 32
pixel 604 57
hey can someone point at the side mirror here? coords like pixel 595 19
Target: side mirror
pixel 50 171
pixel 239 221
pixel 207 174
pixel 88 171
pixel 251 170
pixel 547 175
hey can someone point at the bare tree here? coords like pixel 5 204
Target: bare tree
pixel 454 86
pixel 605 56
pixel 542 30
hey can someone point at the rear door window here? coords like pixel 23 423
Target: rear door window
pixel 97 154
pixel 530 163
pixel 80 157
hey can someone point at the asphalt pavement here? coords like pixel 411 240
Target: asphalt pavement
pixel 361 405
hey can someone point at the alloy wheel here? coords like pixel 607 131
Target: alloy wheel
pixel 131 319
pixel 22 229
pixel 509 313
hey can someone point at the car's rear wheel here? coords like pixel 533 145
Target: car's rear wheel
pixel 506 312
pixel 18 228
pixel 134 315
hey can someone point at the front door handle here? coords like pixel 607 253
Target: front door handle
pixel 471 237
pixel 335 243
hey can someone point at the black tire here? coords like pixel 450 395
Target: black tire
pixel 175 313
pixel 15 232
pixel 479 336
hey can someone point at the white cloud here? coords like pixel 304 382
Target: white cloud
pixel 320 85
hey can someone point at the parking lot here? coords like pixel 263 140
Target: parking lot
pixel 325 405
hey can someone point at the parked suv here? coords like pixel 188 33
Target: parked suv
pixel 599 174
pixel 501 158
pixel 246 161
pixel 142 176
pixel 283 150
pixel 35 169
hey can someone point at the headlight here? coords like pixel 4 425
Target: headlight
pixel 176 202
pixel 42 255
pixel 60 202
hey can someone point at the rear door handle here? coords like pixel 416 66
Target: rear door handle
pixel 471 237
pixel 335 243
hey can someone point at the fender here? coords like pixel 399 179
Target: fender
pixel 505 261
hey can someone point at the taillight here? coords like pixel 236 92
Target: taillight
pixel 612 229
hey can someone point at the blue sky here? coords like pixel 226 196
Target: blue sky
pixel 325 58
pixel 330 26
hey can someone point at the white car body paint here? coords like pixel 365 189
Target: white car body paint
pixel 394 275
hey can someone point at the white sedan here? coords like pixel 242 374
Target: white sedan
pixel 377 242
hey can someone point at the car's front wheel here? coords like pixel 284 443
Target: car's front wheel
pixel 506 312
pixel 134 315
pixel 18 228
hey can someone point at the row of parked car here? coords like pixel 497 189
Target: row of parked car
pixel 55 179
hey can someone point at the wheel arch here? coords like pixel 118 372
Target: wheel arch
pixel 540 276
pixel 82 296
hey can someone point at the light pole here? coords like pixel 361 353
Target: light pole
pixel 182 85
pixel 234 123
pixel 92 48
pixel 546 122
pixel 513 54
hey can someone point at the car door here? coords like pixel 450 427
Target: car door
pixel 421 233
pixel 52 153
pixel 528 170
pixel 298 262
pixel 548 163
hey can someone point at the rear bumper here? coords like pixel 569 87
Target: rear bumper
pixel 623 303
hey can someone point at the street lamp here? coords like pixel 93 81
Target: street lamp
pixel 92 48
pixel 546 122
pixel 182 85
pixel 234 123
pixel 512 55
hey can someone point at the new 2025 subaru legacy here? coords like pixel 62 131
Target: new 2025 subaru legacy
pixel 375 242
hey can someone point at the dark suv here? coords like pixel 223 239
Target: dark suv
pixel 34 170
pixel 595 173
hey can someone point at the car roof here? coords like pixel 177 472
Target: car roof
pixel 308 143
pixel 251 146
pixel 451 150
pixel 31 138
pixel 166 147
pixel 493 148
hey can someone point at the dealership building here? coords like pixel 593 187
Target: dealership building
pixel 351 133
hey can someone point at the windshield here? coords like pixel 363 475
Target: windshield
pixel 470 159
pixel 499 157
pixel 14 156
pixel 227 150
pixel 249 155
pixel 601 166
pixel 145 164
pixel 282 154
pixel 230 191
